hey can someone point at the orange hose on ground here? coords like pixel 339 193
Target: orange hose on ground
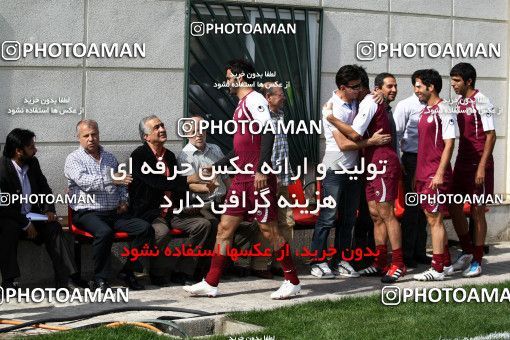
pixel 139 324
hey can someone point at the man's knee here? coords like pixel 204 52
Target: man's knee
pixel 103 233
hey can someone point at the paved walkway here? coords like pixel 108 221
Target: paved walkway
pixel 247 294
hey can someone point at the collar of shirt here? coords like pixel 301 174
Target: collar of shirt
pixel 82 150
pixel 340 102
pixel 22 171
pixel 278 114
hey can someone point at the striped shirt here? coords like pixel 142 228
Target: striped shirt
pixel 196 158
pixel 88 176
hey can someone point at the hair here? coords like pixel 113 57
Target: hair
pixel 379 79
pixel 17 139
pixel 239 66
pixel 415 75
pixel 365 82
pixel 346 74
pixel 86 122
pixel 142 127
pixel 431 77
pixel 466 71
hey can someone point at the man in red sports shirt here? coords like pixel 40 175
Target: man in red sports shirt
pixel 436 138
pixel 473 173
pixel 253 150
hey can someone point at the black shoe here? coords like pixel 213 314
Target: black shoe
pixel 160 281
pixel 78 281
pixel 11 285
pixel 131 281
pixel 100 284
pixel 240 271
pixel 423 259
pixel 68 285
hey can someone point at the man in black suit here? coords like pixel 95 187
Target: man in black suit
pixel 20 174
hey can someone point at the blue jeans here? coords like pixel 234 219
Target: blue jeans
pixel 346 193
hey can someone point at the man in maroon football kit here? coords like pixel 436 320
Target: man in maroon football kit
pixel 436 138
pixel 473 174
pixel 253 151
pixel 381 188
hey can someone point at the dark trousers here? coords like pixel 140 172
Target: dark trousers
pixel 49 233
pixel 200 234
pixel 414 222
pixel 363 231
pixel 103 225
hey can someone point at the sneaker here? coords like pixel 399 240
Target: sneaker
pixel 286 290
pixel 371 271
pixel 393 274
pixel 448 271
pixel 429 275
pixel 475 269
pixel 202 289
pixel 322 271
pixel 462 262
pixel 345 269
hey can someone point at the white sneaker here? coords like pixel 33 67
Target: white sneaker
pixel 322 271
pixel 345 269
pixel 448 271
pixel 462 262
pixel 202 289
pixel 286 290
pixel 475 269
pixel 429 275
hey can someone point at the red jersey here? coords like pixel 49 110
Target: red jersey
pixel 475 117
pixel 436 124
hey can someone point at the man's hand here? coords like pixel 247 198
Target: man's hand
pixel 122 208
pixel 436 181
pixel 193 179
pixel 51 216
pixel 260 181
pixel 378 96
pixel 212 185
pixel 31 231
pixel 480 176
pixel 126 181
pixel 379 139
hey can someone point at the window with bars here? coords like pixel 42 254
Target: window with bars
pixel 295 58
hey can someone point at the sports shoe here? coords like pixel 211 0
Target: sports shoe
pixel 429 275
pixel 286 290
pixel 345 269
pixel 393 274
pixel 202 289
pixel 322 271
pixel 370 271
pixel 475 269
pixel 462 262
pixel 448 271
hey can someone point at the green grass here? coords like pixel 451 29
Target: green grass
pixel 353 318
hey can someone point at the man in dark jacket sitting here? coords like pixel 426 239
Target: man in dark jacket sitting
pixel 21 180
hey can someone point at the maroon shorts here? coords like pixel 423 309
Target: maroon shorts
pixel 247 210
pixel 429 202
pixel 464 181
pixel 383 188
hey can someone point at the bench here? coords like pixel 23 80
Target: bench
pixel 83 237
